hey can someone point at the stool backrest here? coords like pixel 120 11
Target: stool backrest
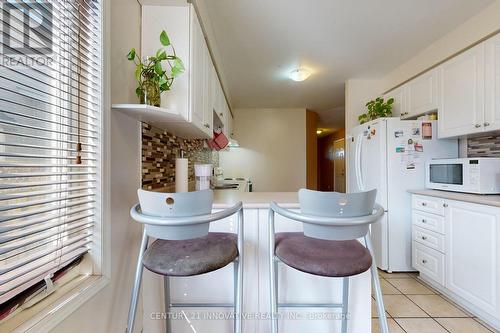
pixel 336 205
pixel 176 205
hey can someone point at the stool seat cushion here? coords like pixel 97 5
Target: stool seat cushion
pixel 192 256
pixel 322 257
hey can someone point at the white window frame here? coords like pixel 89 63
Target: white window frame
pixel 49 317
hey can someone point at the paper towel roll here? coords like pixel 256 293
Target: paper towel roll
pixel 181 175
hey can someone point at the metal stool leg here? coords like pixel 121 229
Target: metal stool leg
pixel 236 292
pixel 166 290
pixel 137 284
pixel 273 279
pixel 345 303
pixel 378 291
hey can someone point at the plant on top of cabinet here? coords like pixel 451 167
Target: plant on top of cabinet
pixel 377 108
pixel 152 78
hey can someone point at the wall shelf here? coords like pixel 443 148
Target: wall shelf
pixel 163 118
pixel 152 115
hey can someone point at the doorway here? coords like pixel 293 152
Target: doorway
pixel 331 162
pixel 339 165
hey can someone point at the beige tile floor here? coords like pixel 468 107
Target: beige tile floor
pixel 413 307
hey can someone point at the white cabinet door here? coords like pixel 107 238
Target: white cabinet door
pixel 399 107
pixel 461 90
pixel 197 74
pixel 208 86
pixel 472 253
pixel 492 86
pixel 422 94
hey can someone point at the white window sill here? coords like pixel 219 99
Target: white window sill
pixel 51 311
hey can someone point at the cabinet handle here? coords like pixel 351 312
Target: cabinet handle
pixel 445 205
pixel 424 204
pixel 478 125
pixel 424 221
pixel 424 261
pixel 424 238
pixel 486 124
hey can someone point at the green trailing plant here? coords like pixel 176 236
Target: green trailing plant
pixel 150 72
pixel 377 108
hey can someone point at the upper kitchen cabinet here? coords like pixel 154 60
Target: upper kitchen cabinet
pixel 193 93
pixel 422 94
pixel 461 88
pixel 399 108
pixel 492 84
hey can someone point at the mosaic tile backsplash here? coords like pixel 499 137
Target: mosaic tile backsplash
pixel 486 146
pixel 159 151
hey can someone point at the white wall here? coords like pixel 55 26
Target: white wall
pixel 107 311
pixel 477 27
pixel 273 149
pixel 357 93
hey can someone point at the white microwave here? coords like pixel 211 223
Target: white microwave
pixel 469 175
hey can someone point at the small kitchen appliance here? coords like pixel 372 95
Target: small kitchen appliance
pixel 470 175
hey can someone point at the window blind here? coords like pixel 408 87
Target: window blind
pixel 50 111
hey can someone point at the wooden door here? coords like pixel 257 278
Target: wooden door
pixel 339 165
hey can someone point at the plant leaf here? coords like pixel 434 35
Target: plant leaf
pixel 131 54
pixel 165 41
pixel 161 55
pixel 158 68
pixel 138 72
pixel 178 67
pixel 164 86
pixel 138 91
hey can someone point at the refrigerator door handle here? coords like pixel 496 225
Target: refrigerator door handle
pixel 358 166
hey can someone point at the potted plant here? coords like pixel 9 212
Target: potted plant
pixel 377 108
pixel 151 76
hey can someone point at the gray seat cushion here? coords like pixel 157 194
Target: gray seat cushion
pixel 322 257
pixel 191 257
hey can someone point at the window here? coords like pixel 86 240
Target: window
pixel 50 140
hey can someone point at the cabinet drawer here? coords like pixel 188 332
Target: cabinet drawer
pixel 428 221
pixel 429 262
pixel 428 204
pixel 428 238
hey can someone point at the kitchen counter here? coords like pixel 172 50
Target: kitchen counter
pixel 254 200
pixel 482 199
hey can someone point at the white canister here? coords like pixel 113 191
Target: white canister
pixel 203 175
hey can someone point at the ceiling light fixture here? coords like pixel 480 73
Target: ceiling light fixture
pixel 299 74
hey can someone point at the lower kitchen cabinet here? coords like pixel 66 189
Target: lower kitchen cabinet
pixel 466 267
pixel 472 253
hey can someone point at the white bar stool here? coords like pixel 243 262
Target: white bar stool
pixel 184 245
pixel 328 246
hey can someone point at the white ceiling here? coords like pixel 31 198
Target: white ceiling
pixel 258 42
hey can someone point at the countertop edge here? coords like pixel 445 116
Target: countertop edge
pixel 481 199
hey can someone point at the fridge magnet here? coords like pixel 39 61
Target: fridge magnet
pixel 410 141
pixel 427 131
pixel 418 147
pixel 373 132
pixel 415 131
pixel 410 166
pixel 398 134
pixel 400 149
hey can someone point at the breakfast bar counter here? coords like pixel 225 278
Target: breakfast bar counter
pixel 294 286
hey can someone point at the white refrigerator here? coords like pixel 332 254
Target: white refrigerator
pixel 389 154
